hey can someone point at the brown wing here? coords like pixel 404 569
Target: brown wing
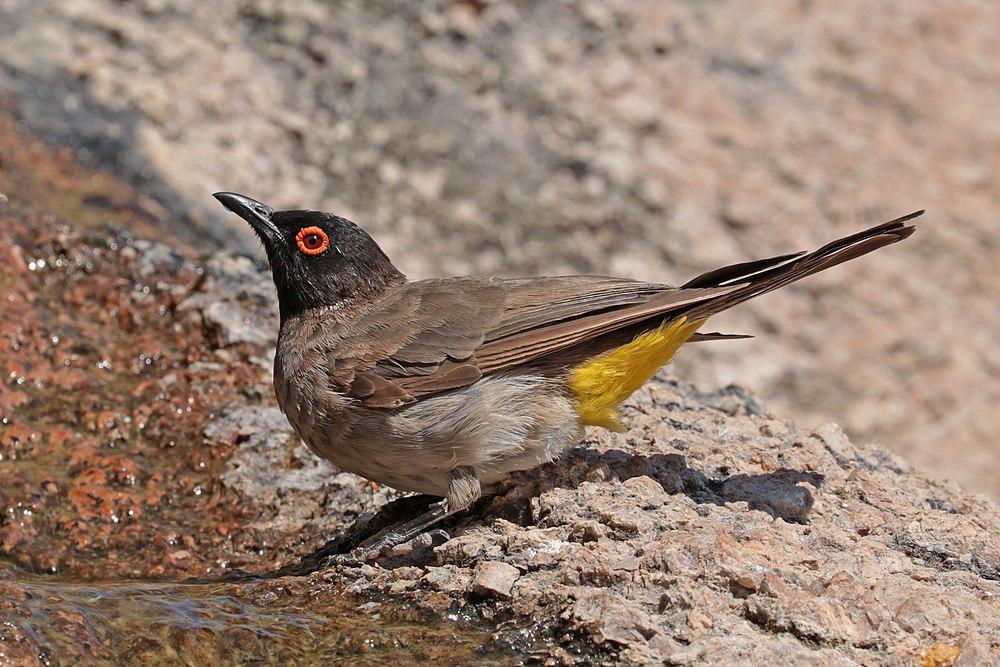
pixel 535 302
pixel 410 332
pixel 530 344
pixel 429 336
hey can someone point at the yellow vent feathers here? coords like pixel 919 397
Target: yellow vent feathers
pixel 601 384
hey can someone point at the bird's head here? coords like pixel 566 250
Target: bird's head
pixel 317 259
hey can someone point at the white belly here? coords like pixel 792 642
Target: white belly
pixel 495 426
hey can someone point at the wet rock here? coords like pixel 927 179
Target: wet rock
pixel 154 260
pixel 448 579
pixel 236 302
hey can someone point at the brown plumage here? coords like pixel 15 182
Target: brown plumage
pixel 444 386
pixel 429 336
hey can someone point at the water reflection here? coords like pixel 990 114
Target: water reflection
pixel 62 621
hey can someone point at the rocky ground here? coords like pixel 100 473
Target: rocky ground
pixel 642 138
pixel 140 443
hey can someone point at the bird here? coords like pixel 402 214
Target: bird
pixel 446 386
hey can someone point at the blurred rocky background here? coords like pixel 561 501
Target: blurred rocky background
pixel 642 138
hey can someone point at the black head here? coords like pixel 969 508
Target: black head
pixel 317 259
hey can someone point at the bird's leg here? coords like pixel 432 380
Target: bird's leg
pixel 463 490
pixel 374 546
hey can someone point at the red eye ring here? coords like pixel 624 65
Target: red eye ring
pixel 312 240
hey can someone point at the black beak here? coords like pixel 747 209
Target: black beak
pixel 254 212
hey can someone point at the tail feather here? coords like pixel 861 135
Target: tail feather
pixel 768 275
pixel 741 271
pixel 715 335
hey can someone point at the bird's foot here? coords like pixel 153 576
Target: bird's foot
pixel 400 541
pixel 424 541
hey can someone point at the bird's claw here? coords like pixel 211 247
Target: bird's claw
pixel 390 546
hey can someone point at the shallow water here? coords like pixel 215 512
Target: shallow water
pixel 55 621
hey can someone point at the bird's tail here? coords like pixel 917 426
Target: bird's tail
pixel 600 383
pixel 752 279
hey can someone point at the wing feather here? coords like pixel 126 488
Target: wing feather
pixel 433 335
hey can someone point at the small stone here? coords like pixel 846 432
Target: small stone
pixel 448 578
pixel 609 619
pixel 407 573
pixel 698 622
pixel 495 578
pixel 781 493
pixel 649 493
pixel 836 442
pixel 402 586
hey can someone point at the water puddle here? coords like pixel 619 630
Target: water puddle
pixel 58 622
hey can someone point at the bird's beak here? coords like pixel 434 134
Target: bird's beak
pixel 254 212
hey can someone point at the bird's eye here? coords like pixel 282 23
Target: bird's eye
pixel 312 240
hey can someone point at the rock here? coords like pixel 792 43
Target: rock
pixel 607 619
pixel 783 494
pixel 836 442
pixel 495 579
pixel 733 400
pixel 272 468
pixel 448 579
pixel 140 439
pixel 236 302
